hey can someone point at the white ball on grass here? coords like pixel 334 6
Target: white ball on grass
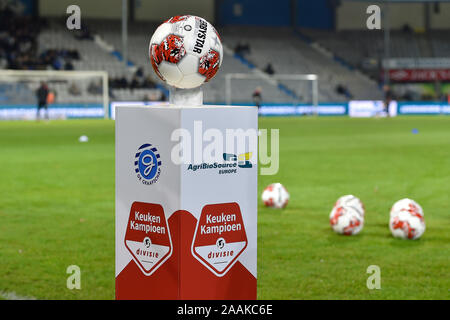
pixel 347 215
pixel 407 220
pixel 275 195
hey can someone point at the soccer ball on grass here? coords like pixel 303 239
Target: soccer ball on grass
pixel 275 195
pixel 347 215
pixel 407 219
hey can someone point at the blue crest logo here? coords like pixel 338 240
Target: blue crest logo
pixel 147 163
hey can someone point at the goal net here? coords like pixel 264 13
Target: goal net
pixel 279 93
pixel 70 94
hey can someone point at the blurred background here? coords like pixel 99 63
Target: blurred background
pixel 407 60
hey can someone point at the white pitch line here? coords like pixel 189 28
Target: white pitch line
pixel 13 296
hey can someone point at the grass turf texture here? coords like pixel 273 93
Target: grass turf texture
pixel 57 208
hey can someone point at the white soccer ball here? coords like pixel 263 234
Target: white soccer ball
pixel 275 195
pixel 186 51
pixel 83 139
pixel 407 219
pixel 352 201
pixel 347 215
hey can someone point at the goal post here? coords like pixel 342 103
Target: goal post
pixel 274 80
pixel 76 89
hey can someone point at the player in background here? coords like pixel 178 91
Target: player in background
pixel 42 95
pixel 388 97
pixel 257 97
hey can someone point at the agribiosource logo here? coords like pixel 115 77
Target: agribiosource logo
pixel 230 165
pixel 147 163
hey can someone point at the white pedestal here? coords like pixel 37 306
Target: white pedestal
pixel 186 230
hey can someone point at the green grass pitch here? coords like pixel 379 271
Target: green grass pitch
pixel 57 208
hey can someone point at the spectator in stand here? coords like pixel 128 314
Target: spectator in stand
pixel 146 98
pixel 84 34
pixel 242 49
pixel 138 79
pixel 123 83
pixel 74 89
pixel 408 95
pixel 135 83
pixel 406 28
pixel 57 64
pixel 238 48
pixel 18 39
pixel 23 55
pixel 68 65
pixel 95 88
pixel 114 83
pixel 139 73
pixel 148 83
pixel 74 54
pixel 269 69
pixel 343 90
pixel 119 83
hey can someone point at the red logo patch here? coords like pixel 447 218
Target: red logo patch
pixel 209 64
pixel 156 58
pixel 339 212
pixel 220 237
pixel 403 225
pixel 148 236
pixel 354 223
pixel 177 19
pixel 414 211
pixel 172 48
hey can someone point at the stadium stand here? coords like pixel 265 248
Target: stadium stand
pixel 98 47
pixel 336 57
pixel 124 83
pixel 307 60
pixel 290 54
pixel 355 46
pixel 440 43
pixel 138 40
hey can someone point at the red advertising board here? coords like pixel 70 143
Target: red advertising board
pixel 419 75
